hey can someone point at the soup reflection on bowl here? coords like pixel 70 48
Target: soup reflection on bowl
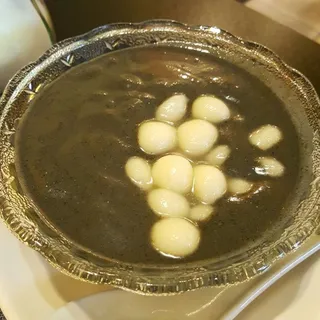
pixel 159 157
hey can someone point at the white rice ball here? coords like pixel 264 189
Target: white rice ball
pixel 157 137
pixel 265 137
pixel 173 109
pixel 209 183
pixel 201 212
pixel 139 172
pixel 167 203
pixel 218 155
pixel 239 186
pixel 269 166
pixel 211 109
pixel 173 172
pixel 175 237
pixel 196 137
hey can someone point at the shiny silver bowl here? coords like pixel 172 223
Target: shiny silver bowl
pixel 27 224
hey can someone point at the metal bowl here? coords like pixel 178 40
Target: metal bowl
pixel 25 222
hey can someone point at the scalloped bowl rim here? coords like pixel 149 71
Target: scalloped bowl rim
pixel 120 275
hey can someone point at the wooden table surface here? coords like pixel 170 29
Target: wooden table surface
pixel 74 17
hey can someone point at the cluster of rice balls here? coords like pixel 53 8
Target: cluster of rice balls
pixel 186 178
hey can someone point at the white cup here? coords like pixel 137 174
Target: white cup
pixel 25 29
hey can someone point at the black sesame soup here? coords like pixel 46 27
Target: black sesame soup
pixel 75 139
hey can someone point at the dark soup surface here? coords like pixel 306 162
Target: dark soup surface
pixel 79 131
